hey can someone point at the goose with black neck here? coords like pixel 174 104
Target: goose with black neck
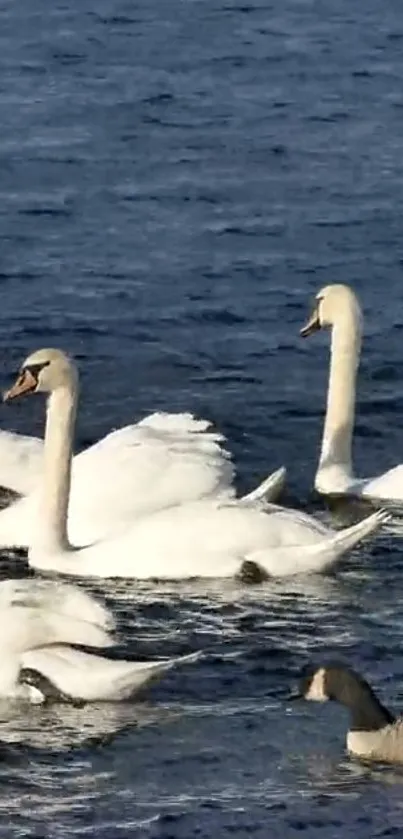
pixel 374 732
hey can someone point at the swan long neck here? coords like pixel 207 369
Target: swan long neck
pixel 340 411
pixel 54 497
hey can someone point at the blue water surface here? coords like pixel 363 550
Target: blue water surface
pixel 177 179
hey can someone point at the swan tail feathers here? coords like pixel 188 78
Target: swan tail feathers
pixel 60 674
pixel 139 677
pixel 269 489
pixel 303 559
pixel 347 539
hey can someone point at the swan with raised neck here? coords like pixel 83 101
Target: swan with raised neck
pixel 162 460
pixel 205 538
pixel 337 307
pixel 51 371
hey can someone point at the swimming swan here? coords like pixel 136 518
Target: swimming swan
pixel 198 539
pixel 40 621
pixel 374 733
pixel 164 460
pixel 337 307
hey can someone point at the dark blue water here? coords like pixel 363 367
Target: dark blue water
pixel 176 180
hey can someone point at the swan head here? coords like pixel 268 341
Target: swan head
pixel 44 371
pixel 335 305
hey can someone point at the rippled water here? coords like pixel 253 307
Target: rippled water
pixel 176 180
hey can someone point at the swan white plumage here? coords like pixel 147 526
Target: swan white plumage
pixel 164 460
pixel 21 459
pixel 40 620
pixel 337 307
pixel 199 539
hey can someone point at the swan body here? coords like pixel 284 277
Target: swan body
pixel 40 621
pixel 210 540
pixel 338 308
pixel 20 461
pixel 164 460
pixel 386 488
pixel 207 538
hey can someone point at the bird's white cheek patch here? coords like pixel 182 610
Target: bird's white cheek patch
pixel 316 690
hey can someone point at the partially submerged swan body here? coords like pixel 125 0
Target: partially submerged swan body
pixel 337 307
pixel 40 622
pixel 208 538
pixel 374 733
pixel 164 460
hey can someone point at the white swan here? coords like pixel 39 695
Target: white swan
pixel 40 620
pixel 337 307
pixel 21 459
pixel 165 459
pixel 199 539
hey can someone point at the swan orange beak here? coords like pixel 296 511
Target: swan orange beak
pixel 312 325
pixel 24 384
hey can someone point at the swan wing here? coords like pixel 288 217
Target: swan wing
pixel 89 677
pixel 49 595
pixel 34 613
pixel 285 518
pixel 164 460
pixel 20 461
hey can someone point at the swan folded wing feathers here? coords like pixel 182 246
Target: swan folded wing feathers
pixel 24 628
pixel 38 662
pixel 184 423
pixel 36 613
pixel 161 472
pixel 21 459
pixel 171 431
pixel 84 676
pixel 61 598
pixel 167 459
pixel 298 516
